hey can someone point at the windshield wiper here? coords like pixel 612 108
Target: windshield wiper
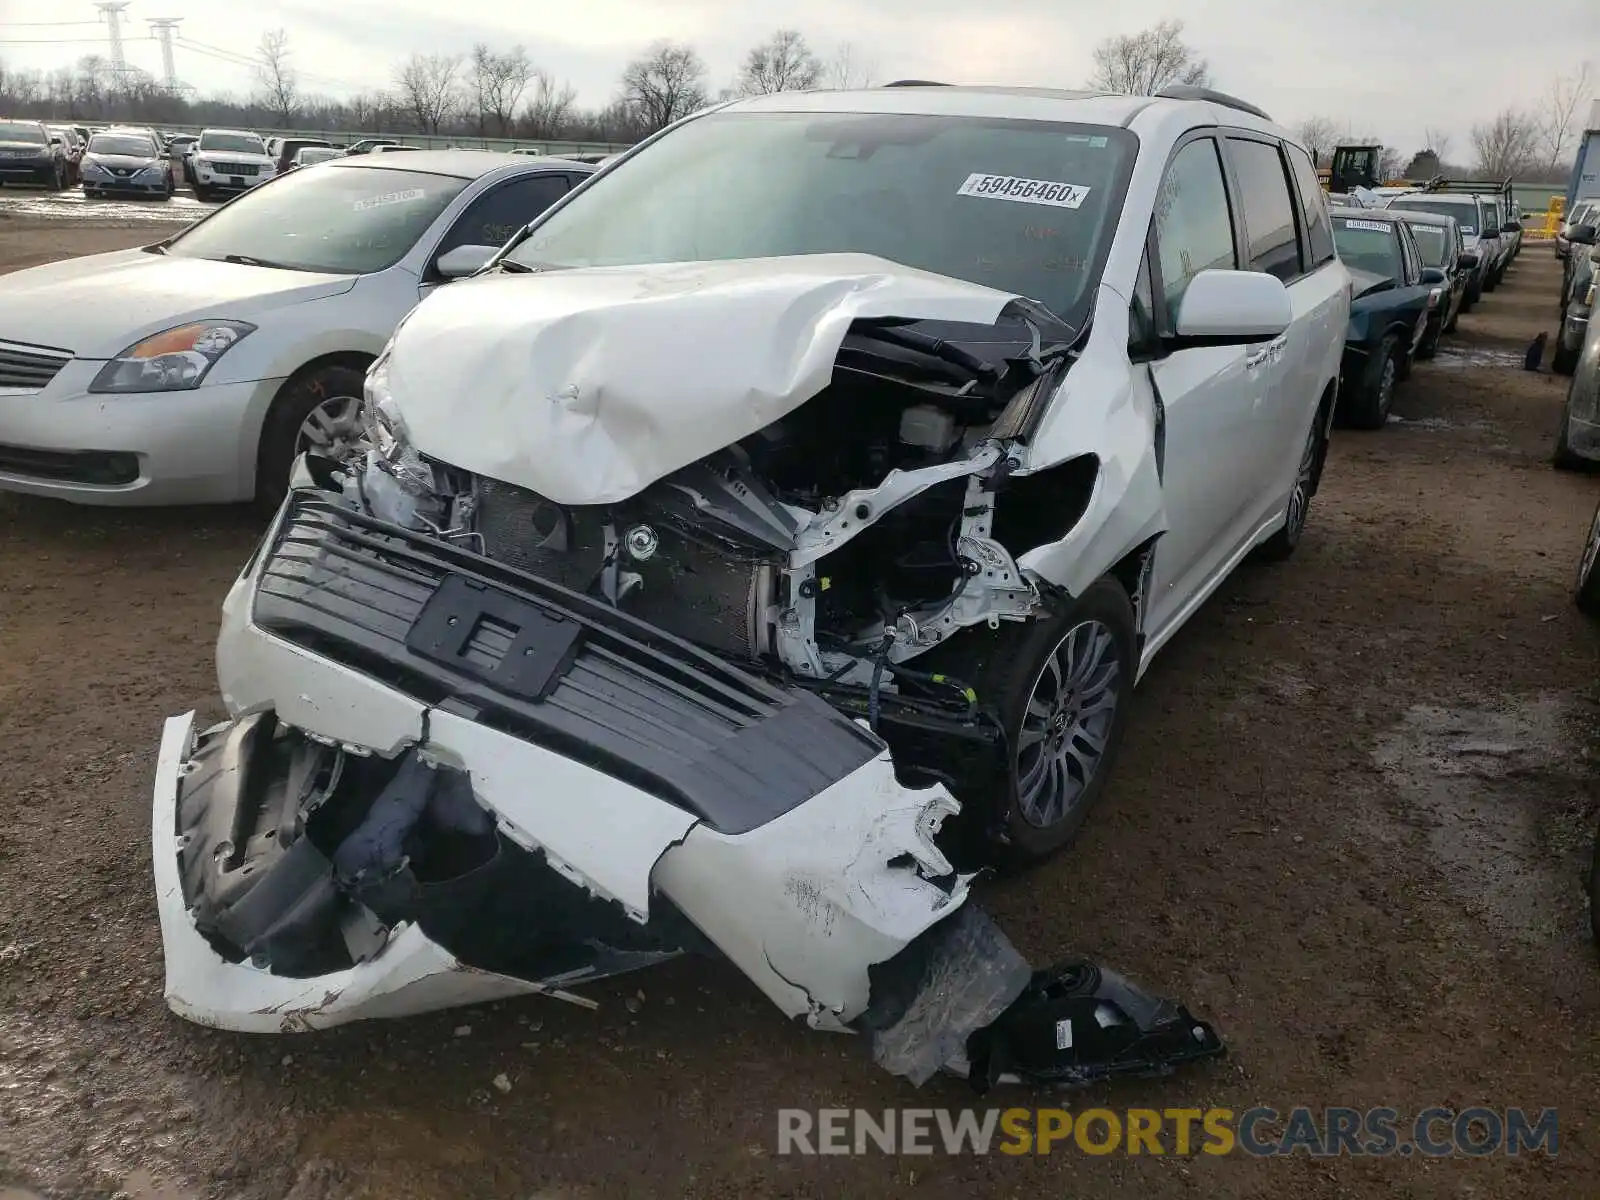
pixel 246 260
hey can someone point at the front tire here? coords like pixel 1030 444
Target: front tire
pixel 1586 592
pixel 1312 455
pixel 1564 361
pixel 1062 688
pixel 1373 395
pixel 319 411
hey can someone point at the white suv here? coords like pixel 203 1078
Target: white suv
pixel 832 463
pixel 228 161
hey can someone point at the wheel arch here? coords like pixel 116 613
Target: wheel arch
pixel 355 360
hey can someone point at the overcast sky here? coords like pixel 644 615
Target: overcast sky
pixel 1390 69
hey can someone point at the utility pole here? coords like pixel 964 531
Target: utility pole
pixel 111 12
pixel 164 28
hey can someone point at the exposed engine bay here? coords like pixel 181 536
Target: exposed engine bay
pixel 831 547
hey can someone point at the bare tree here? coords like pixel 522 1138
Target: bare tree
pixel 1439 142
pixel 549 109
pixel 428 92
pixel 1320 135
pixel 1507 145
pixel 847 69
pixel 782 63
pixel 280 84
pixel 1557 108
pixel 370 111
pixel 1141 64
pixel 498 81
pixel 668 82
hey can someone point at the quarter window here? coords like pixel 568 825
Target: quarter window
pixel 1268 210
pixel 1194 231
pixel 1319 235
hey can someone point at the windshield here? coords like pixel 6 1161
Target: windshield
pixel 1580 214
pixel 1464 211
pixel 1369 246
pixel 1432 241
pixel 344 221
pixel 1022 206
pixel 237 143
pixel 21 131
pixel 138 147
pixel 313 154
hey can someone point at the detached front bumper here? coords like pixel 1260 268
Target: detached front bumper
pixel 653 781
pixel 446 781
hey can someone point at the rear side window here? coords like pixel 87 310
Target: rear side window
pixel 1194 230
pixel 1268 210
pixel 1319 235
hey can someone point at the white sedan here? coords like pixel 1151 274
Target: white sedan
pixel 195 370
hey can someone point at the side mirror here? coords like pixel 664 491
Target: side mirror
pixel 1580 235
pixel 1433 276
pixel 1467 261
pixel 1511 227
pixel 1233 308
pixel 464 261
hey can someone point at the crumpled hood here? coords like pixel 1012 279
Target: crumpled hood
pixel 587 385
pixel 99 305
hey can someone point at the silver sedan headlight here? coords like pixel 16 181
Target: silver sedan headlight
pixel 174 360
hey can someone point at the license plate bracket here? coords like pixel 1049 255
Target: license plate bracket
pixel 515 645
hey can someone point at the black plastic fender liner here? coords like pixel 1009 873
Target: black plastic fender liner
pixel 1078 1023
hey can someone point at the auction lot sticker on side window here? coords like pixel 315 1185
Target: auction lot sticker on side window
pixel 1024 191
pixel 390 198
pixel 1369 226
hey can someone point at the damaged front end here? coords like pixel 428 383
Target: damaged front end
pixel 505 731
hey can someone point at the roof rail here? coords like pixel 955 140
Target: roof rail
pixel 917 83
pixel 1186 91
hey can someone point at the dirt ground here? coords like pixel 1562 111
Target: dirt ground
pixel 1348 827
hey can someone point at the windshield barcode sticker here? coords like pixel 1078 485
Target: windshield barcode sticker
pixel 1024 191
pixel 389 198
pixel 1369 226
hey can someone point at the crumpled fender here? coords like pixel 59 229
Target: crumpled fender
pixel 1106 409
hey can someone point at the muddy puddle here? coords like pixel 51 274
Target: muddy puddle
pixel 1460 358
pixel 1505 800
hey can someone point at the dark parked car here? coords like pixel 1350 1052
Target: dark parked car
pixel 127 162
pixel 1468 215
pixel 1438 240
pixel 28 156
pixel 178 151
pixel 288 147
pixel 368 145
pixel 1577 296
pixel 1392 298
pixel 1578 440
pixel 1582 212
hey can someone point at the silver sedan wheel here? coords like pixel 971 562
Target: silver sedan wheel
pixel 1300 498
pixel 332 428
pixel 1591 551
pixel 1067 724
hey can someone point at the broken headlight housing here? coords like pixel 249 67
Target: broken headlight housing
pixel 394 482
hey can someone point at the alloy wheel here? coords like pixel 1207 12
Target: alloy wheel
pixel 1591 551
pixel 1300 497
pixel 1386 386
pixel 1066 725
pixel 331 429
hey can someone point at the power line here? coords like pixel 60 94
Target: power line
pixel 65 41
pixel 41 24
pixel 239 60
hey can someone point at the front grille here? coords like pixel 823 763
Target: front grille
pixel 235 168
pixel 30 367
pixel 634 702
